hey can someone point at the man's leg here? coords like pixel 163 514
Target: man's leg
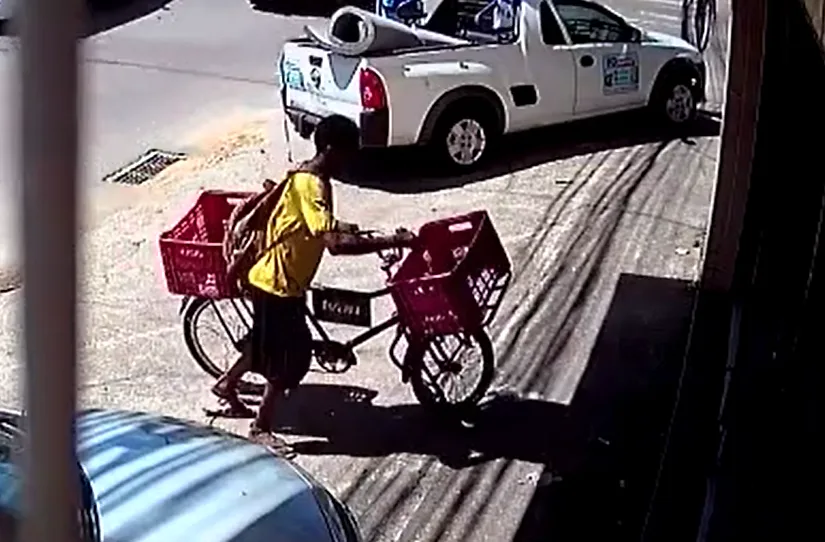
pixel 261 430
pixel 227 384
pixel 290 356
pixel 266 412
pixel 226 388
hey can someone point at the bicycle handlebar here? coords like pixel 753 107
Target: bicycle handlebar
pixel 389 256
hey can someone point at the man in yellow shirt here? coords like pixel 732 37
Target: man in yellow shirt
pixel 300 226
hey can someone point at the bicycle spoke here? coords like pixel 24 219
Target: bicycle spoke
pixel 219 333
pixel 448 362
pixel 244 314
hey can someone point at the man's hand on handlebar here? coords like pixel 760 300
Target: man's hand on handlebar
pixel 357 242
pixel 404 237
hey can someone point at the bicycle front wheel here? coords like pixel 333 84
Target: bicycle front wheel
pixel 451 371
pixel 215 331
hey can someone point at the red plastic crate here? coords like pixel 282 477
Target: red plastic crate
pixel 455 279
pixel 192 251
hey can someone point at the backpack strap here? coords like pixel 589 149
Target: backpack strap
pixel 281 186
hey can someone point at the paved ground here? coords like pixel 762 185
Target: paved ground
pixel 583 216
pixel 156 72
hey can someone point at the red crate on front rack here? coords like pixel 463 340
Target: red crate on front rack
pixel 192 251
pixel 455 279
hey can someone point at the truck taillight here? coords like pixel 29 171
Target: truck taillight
pixel 373 93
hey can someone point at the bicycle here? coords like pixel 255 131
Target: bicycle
pixel 441 316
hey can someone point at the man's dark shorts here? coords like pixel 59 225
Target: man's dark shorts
pixel 281 340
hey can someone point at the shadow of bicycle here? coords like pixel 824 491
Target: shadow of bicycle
pixel 343 420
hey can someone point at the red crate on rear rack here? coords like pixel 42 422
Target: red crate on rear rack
pixel 455 279
pixel 192 251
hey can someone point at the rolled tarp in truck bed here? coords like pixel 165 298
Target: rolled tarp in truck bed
pixel 353 32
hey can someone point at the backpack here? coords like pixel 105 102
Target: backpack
pixel 245 234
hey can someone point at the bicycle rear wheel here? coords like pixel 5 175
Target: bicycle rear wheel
pixel 451 372
pixel 215 331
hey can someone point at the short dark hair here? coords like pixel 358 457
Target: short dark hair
pixel 336 132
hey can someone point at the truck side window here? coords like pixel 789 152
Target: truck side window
pixel 551 33
pixel 586 23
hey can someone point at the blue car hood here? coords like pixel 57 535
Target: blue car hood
pixel 158 479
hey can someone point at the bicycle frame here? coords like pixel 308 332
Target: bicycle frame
pixel 334 305
pixel 361 338
pixel 243 309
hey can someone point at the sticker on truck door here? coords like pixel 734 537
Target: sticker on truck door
pixel 292 76
pixel 620 73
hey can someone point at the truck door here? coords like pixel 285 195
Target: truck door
pixel 553 71
pixel 606 53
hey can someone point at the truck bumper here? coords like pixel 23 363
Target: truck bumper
pixel 373 126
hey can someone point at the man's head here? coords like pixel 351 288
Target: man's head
pixel 336 140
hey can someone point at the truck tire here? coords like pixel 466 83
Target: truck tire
pixel 674 100
pixel 464 135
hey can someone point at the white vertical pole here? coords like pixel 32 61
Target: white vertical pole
pixel 49 30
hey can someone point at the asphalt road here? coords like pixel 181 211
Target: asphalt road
pixel 588 214
pixel 154 72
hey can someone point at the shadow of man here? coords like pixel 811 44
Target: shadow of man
pixel 343 420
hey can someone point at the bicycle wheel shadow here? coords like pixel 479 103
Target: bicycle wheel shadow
pixel 343 420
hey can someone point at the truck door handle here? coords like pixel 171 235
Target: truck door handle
pixel 586 61
pixel 316 61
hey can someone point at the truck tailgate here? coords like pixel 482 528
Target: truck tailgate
pixel 319 82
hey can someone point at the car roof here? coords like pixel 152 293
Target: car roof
pixel 158 479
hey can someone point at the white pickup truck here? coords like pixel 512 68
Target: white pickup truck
pixel 561 60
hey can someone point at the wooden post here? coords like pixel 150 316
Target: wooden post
pixel 746 51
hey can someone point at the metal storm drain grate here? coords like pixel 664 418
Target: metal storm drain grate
pixel 145 167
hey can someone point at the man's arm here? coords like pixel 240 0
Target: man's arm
pixel 353 245
pixel 339 237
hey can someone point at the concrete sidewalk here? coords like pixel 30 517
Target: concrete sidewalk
pixel 573 216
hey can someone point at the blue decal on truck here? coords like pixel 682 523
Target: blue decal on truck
pixel 620 73
pixel 292 76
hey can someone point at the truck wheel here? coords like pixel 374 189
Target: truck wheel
pixel 463 136
pixel 674 100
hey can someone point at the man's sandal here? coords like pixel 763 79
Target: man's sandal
pixel 275 444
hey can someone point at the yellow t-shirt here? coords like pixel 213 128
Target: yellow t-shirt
pixel 296 227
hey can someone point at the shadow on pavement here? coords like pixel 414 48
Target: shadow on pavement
pixel 302 8
pixel 104 15
pixel 409 172
pixel 120 12
pixel 344 421
pixel 602 486
pixel 600 453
